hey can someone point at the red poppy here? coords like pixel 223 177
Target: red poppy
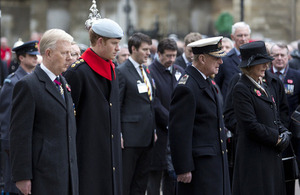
pixel 290 81
pixel 148 71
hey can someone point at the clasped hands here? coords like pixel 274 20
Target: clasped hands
pixel 283 140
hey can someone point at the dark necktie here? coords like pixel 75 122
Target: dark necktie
pixel 240 57
pixel 211 87
pixel 279 74
pixel 59 86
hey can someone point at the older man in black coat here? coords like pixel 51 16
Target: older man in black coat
pixel 240 35
pixel 43 129
pixel 197 135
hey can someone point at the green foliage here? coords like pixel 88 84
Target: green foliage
pixel 224 23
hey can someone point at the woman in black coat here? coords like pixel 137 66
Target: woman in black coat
pixel 261 136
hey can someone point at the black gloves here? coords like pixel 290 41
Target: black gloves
pixel 285 141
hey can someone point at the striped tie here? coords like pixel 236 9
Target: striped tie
pixel 59 86
pixel 145 81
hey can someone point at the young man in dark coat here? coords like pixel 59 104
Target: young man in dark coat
pixel 196 128
pixel 95 93
pixel 165 74
pixel 27 58
pixel 43 128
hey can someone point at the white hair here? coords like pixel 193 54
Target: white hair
pixel 239 25
pixel 50 37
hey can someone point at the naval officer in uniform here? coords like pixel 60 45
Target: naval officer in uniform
pixel 196 128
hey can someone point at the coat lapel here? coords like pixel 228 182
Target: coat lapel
pixel 49 86
pixel 201 82
pixel 136 76
pixel 257 92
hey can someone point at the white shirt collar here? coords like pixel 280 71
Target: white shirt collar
pixel 135 64
pixel 185 59
pixel 48 72
pixel 276 70
pixel 200 72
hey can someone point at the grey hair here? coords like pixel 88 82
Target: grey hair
pixel 281 46
pixel 50 37
pixel 239 25
pixel 226 39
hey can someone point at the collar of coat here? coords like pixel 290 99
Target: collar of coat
pixel 99 65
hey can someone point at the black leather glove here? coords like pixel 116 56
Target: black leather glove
pixel 285 141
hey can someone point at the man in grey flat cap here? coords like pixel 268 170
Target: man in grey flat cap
pixel 196 127
pixel 96 98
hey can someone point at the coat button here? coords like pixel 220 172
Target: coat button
pixel 221 141
pixel 114 169
pixel 110 104
pixel 220 129
pixel 222 152
pixel 275 122
pixel 112 136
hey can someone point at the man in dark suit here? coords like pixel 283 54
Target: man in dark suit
pixel 196 127
pixel 186 58
pixel 95 93
pixel 43 129
pixel 165 74
pixel 291 81
pixel 137 115
pixel 289 76
pixel 240 34
pixel 26 55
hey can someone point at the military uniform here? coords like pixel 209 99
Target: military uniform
pixel 196 129
pixel 96 102
pixel 5 110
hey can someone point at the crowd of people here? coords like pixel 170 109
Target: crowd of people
pixel 202 116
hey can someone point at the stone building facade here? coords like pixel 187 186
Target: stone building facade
pixel 269 19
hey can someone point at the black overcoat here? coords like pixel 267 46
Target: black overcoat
pixel 258 165
pixel 96 102
pixel 165 82
pixel 42 139
pixel 227 70
pixel 197 136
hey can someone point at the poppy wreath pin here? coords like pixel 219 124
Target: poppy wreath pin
pixel 148 71
pixel 258 93
pixel 214 84
pixel 290 81
pixel 68 88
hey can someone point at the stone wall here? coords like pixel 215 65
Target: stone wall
pixel 270 19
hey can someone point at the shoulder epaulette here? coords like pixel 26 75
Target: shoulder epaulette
pixel 77 62
pixel 8 79
pixel 183 79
